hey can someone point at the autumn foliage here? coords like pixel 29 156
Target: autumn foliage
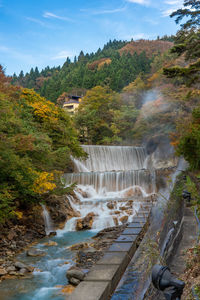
pixel 36 139
pixel 151 48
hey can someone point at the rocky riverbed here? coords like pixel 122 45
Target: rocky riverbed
pixel 27 228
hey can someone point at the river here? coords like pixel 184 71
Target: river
pixel 111 174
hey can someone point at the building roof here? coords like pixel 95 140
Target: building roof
pixel 71 101
pixel 74 97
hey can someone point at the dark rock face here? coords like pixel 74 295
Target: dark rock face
pixel 60 209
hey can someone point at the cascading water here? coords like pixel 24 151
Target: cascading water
pixel 111 174
pixel 47 221
pixel 109 158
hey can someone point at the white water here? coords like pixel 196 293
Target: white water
pixel 104 182
pixel 109 158
pixel 49 227
pixel 112 175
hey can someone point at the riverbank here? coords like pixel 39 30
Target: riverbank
pixel 28 228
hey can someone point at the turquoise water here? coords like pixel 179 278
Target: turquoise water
pixel 50 270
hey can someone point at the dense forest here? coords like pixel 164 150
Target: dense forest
pixel 115 66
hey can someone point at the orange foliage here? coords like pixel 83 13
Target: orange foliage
pixel 99 63
pixel 107 61
pixel 150 47
pixel 43 109
pixel 152 79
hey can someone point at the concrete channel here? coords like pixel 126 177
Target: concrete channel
pixel 103 278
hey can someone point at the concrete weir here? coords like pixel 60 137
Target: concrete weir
pixel 102 279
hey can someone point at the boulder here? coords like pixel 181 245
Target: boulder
pixel 35 252
pixel 53 233
pixel 23 271
pixel 75 275
pixel 19 265
pixel 86 222
pixel 51 243
pixel 129 193
pixel 83 193
pixel 124 219
pixel 74 281
pixel 110 205
pixel 122 207
pixel 116 221
pixel 79 246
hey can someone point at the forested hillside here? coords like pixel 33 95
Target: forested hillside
pixel 114 66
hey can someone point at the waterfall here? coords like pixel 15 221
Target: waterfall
pixel 47 221
pixel 110 158
pixel 104 182
pixel 111 183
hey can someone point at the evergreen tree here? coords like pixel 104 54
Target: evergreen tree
pixel 187 42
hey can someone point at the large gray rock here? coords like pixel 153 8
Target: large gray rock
pixel 35 252
pixel 20 265
pixel 74 281
pixel 75 273
pixel 23 271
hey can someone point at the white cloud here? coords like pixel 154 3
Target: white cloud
pixel 174 2
pixel 168 12
pixel 173 5
pixel 104 11
pixel 36 21
pixel 50 15
pixel 62 55
pixel 142 2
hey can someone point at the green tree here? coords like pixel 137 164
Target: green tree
pixel 36 137
pixel 187 42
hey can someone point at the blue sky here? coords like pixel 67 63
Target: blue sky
pixel 44 32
